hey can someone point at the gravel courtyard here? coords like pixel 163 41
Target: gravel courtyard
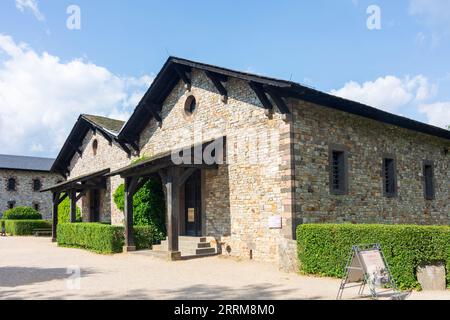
pixel 35 268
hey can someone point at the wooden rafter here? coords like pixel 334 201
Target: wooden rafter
pixel 217 80
pixel 281 104
pixel 261 94
pixel 181 71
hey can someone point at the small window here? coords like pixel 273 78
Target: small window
pixel 11 184
pixel 11 204
pixel 338 172
pixel 190 105
pixel 389 177
pixel 95 147
pixel 428 175
pixel 37 185
pixel 36 206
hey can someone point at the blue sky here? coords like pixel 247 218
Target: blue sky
pixel 402 68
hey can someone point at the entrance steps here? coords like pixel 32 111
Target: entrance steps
pixel 190 247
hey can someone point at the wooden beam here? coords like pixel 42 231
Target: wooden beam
pixel 56 197
pixel 281 104
pixel 182 74
pixel 73 206
pixel 173 210
pixel 260 93
pixel 78 150
pixel 124 147
pixel 61 199
pixel 81 195
pixel 217 83
pixel 185 175
pixel 128 215
pixel 141 183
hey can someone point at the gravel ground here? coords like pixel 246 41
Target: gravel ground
pixel 35 268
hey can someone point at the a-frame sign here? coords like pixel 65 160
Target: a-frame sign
pixel 367 266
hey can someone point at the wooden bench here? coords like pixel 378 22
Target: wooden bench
pixel 42 232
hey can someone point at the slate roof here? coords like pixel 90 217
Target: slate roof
pixel 109 124
pixel 25 163
pixel 108 127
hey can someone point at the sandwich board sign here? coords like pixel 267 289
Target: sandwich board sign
pixel 367 266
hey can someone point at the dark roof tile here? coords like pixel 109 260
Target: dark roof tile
pixel 25 163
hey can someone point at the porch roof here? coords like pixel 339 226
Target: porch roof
pixel 164 160
pixel 78 183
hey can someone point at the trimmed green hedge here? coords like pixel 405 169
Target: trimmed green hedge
pixel 22 213
pixel 25 227
pixel 324 249
pixel 64 212
pixel 103 238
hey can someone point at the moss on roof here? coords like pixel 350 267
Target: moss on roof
pixel 104 122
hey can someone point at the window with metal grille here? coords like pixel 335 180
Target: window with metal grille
pixel 428 174
pixel 37 185
pixel 338 172
pixel 11 184
pixel 389 178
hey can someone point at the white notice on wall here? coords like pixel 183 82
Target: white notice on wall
pixel 275 222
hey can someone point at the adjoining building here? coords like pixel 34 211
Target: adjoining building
pixel 22 179
pixel 291 155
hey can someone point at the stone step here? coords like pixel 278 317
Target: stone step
pixel 183 246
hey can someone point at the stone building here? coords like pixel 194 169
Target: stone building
pixel 22 179
pixel 283 154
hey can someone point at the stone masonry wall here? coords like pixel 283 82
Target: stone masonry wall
pixel 241 195
pixel 24 194
pixel 316 128
pixel 108 156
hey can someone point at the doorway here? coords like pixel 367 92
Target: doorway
pixel 94 214
pixel 193 205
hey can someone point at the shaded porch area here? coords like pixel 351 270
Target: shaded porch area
pixel 75 189
pixel 180 172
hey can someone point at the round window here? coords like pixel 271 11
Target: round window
pixel 190 105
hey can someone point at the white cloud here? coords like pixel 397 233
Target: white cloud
pixel 437 113
pixel 388 93
pixel 435 13
pixel 409 95
pixel 31 5
pixel 41 97
pixel 435 16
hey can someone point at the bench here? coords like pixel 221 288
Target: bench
pixel 42 232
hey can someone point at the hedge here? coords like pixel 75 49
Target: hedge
pixel 64 212
pixel 22 213
pixel 324 249
pixel 25 227
pixel 103 238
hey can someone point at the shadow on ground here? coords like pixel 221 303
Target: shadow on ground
pixel 11 277
pixel 257 292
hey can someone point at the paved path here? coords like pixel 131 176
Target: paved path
pixel 34 268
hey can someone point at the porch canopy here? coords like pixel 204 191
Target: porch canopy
pixel 74 189
pixel 174 168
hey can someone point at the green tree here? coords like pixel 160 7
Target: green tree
pixel 148 205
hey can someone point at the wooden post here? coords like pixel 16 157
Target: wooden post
pixel 130 184
pixel 173 211
pixel 73 206
pixel 55 215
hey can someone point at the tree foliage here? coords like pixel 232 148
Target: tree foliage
pixel 148 205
